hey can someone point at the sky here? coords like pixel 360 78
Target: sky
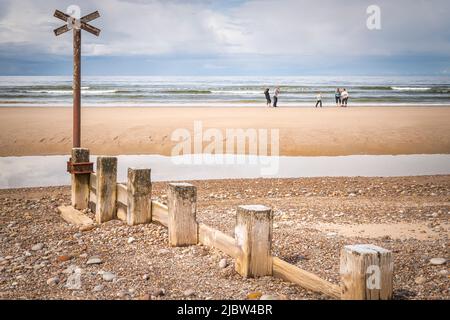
pixel 230 37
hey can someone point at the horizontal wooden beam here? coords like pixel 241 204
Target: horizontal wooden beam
pixel 74 216
pixel 122 194
pixel 93 181
pixel 214 238
pixel 160 213
pixel 121 212
pixel 305 279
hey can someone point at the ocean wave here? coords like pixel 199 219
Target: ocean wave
pixel 186 91
pixel 69 92
pixel 410 89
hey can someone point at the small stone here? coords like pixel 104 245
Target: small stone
pixel 122 294
pixel 188 293
pixel 98 288
pixel 145 277
pixel 53 281
pixel 37 247
pixel 223 263
pixel 420 280
pixel 145 296
pixel 71 269
pixel 131 240
pixel 77 235
pixel 87 227
pixel 269 297
pixel 352 195
pixel 108 276
pixel 443 273
pixel 64 258
pixel 94 260
pixel 438 261
pixel 159 292
pixel 331 234
pixel 254 295
pixel 163 251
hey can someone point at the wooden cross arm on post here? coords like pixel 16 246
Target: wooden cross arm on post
pixel 91 16
pixel 91 29
pixel 61 30
pixel 61 15
pixel 76 23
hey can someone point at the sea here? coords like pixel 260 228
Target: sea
pixel 227 91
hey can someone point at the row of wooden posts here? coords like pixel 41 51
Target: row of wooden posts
pixel 366 270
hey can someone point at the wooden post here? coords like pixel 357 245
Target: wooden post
pixel 80 182
pixel 105 208
pixel 76 24
pixel 182 223
pixel 366 272
pixel 139 188
pixel 253 235
pixel 76 88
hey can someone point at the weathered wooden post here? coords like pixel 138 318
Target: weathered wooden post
pixel 253 235
pixel 105 208
pixel 182 223
pixel 76 24
pixel 80 169
pixel 139 188
pixel 366 272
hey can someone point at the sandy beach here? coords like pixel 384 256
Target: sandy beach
pixel 303 132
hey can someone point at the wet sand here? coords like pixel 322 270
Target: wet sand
pixel 303 132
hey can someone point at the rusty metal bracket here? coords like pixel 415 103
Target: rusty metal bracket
pixel 80 167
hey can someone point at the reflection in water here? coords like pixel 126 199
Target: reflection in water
pixel 36 171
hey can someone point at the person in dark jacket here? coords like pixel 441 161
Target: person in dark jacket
pixel 267 94
pixel 337 96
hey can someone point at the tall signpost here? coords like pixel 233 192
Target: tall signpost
pixel 79 165
pixel 76 25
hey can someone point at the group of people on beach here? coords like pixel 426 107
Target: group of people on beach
pixel 341 96
pixel 275 97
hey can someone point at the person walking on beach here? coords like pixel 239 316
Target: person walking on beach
pixel 267 94
pixel 319 100
pixel 275 97
pixel 344 97
pixel 337 96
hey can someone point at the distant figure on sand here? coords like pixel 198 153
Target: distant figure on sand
pixel 344 97
pixel 267 94
pixel 275 97
pixel 319 100
pixel 337 96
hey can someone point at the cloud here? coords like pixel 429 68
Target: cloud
pixel 298 31
pixel 263 27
